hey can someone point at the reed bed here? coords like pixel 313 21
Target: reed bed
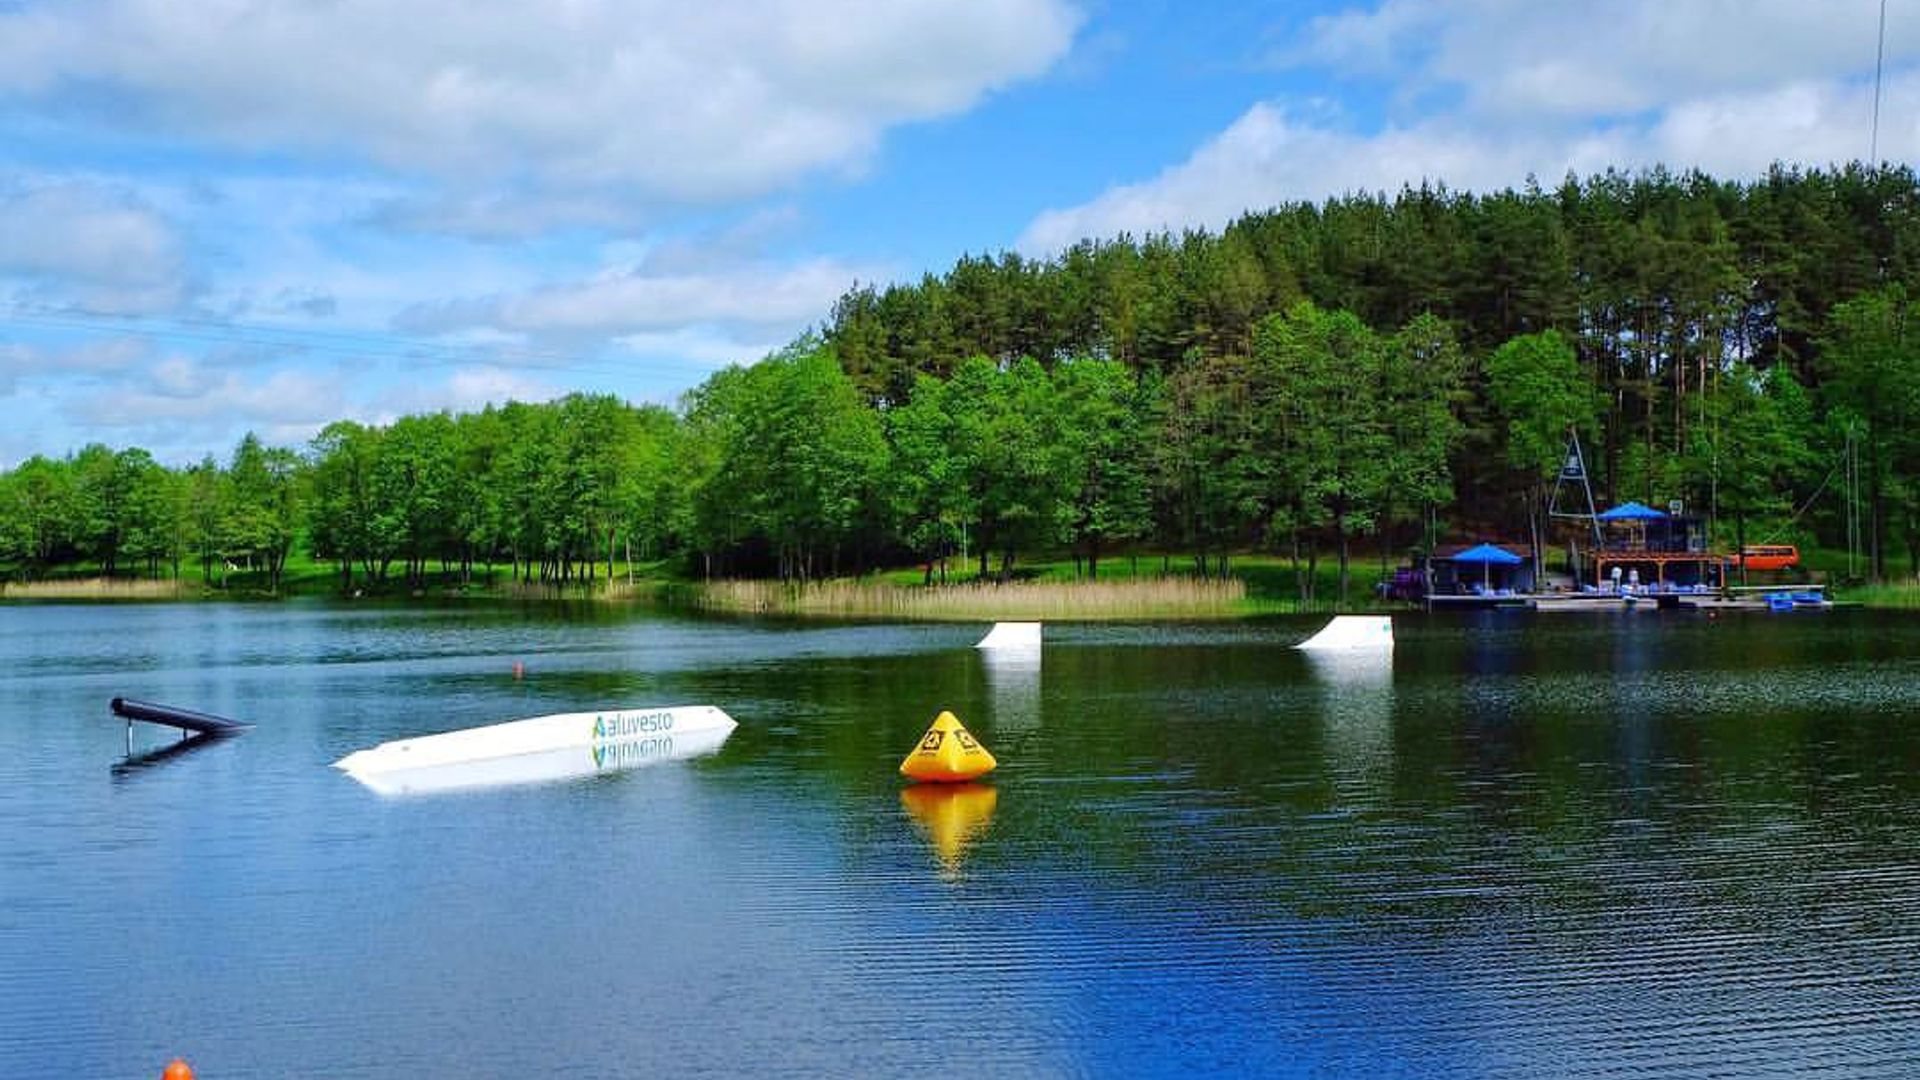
pixel 1903 595
pixel 1158 598
pixel 92 589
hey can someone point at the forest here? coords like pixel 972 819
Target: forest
pixel 1368 374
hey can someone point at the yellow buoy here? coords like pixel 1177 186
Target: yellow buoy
pixel 948 753
pixel 953 815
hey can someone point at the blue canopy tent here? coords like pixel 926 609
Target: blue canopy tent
pixel 1488 556
pixel 1633 517
pixel 1632 511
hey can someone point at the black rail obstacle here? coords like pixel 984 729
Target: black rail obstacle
pixel 197 729
pixel 185 719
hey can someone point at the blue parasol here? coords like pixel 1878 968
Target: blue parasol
pixel 1487 553
pixel 1632 511
pixel 1488 557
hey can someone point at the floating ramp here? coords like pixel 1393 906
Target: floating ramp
pixel 1012 635
pixel 545 766
pixel 1353 632
pixel 539 749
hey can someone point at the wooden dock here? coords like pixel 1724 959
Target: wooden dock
pixel 1742 598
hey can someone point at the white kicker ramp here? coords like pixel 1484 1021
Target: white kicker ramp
pixel 1012 635
pixel 1353 632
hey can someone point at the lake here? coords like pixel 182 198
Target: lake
pixel 1527 845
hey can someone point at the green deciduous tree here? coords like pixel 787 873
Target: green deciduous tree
pixel 1755 444
pixel 1102 444
pixel 1536 386
pixel 263 510
pixel 928 491
pixel 1325 370
pixel 792 459
pixel 1870 366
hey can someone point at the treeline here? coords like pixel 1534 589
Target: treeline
pixel 1312 377
pixel 129 515
pixel 1685 301
pixel 540 491
pixel 785 469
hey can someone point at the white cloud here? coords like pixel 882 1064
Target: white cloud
pixel 467 389
pixel 47 368
pixel 307 301
pixel 28 432
pixel 501 216
pixel 178 388
pixel 73 241
pixel 1266 158
pixel 180 409
pixel 1808 123
pixel 700 348
pixel 1517 57
pixel 1541 90
pixel 641 299
pixel 96 357
pixel 520 103
pixel 279 159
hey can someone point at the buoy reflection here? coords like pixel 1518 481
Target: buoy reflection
pixel 952 815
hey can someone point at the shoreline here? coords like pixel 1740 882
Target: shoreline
pixel 1169 598
pixel 1139 599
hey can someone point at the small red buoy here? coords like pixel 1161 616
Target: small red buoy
pixel 177 1070
pixel 519 670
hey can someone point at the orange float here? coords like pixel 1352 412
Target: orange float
pixel 948 754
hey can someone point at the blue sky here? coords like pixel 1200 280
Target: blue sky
pixel 265 215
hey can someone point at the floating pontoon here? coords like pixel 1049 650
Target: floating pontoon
pixel 542 748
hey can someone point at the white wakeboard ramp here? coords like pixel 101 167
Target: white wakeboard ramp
pixel 542 748
pixel 1353 632
pixel 1012 635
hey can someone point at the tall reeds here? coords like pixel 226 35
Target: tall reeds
pixel 1171 597
pixel 92 589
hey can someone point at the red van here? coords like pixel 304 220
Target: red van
pixel 1768 557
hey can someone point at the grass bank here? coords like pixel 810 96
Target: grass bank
pixel 1898 596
